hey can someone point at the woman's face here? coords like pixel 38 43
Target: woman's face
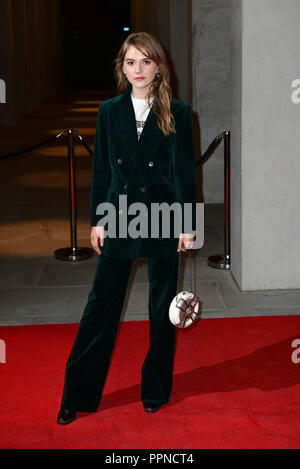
pixel 135 65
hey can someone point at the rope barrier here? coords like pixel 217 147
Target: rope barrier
pixel 26 150
pixel 75 253
pixel 211 148
pixel 83 142
pixel 213 145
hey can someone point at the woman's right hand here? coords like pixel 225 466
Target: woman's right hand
pixel 97 233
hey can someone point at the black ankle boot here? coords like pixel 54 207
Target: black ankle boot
pixel 66 416
pixel 150 408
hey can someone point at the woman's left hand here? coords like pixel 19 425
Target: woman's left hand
pixel 186 241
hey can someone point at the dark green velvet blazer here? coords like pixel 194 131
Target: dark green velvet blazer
pixel 153 168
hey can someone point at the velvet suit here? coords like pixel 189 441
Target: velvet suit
pixel 142 169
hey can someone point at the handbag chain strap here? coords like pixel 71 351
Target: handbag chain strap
pixel 180 272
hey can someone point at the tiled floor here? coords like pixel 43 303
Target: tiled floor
pixel 35 287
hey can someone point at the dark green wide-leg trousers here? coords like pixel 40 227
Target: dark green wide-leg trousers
pixel 89 359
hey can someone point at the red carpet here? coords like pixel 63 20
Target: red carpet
pixel 235 386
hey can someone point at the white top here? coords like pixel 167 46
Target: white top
pixel 141 110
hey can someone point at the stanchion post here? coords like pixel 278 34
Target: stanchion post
pixel 72 253
pixel 72 194
pixel 223 261
pixel 227 197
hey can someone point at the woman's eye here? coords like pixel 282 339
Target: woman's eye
pixel 145 61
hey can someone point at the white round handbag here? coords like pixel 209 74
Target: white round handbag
pixel 185 306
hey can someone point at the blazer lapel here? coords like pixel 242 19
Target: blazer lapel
pixel 142 150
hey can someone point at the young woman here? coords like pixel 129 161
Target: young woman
pixel 143 138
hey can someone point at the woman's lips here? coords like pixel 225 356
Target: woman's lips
pixel 140 78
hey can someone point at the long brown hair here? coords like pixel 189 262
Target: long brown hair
pixel 160 89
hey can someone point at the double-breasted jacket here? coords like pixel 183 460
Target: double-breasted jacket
pixel 153 168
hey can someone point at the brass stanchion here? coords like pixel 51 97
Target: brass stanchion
pixel 73 253
pixel 223 261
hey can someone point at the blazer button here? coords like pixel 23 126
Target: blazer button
pixel 142 189
pixel 119 160
pixel 125 186
pixel 150 163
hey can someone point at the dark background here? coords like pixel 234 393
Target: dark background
pixel 92 35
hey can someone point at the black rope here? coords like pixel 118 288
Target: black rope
pixel 45 142
pixel 214 144
pixel 84 143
